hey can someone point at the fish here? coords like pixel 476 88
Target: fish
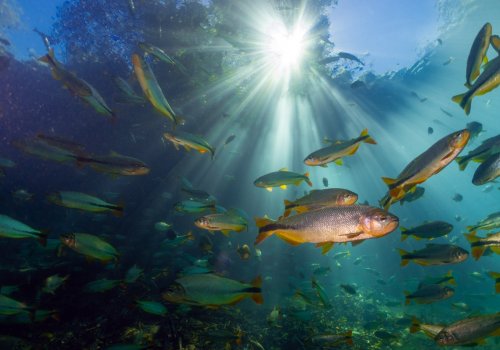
pixel 488 171
pixel 152 89
pixel 229 139
pixel 349 289
pixel 244 252
pixel 281 179
pixel 317 199
pixel 337 150
pixel 11 228
pixel 431 330
pixel 428 230
pixel 22 195
pixel 213 290
pixel 189 142
pixel 458 197
pixel 177 241
pixel 478 245
pixel 101 285
pixel 434 254
pixel 332 340
pixel 469 330
pixel 52 283
pixel 325 182
pixel 446 278
pixel 128 94
pixel 188 189
pixel 487 148
pixel 428 294
pixel 460 306
pixel 162 226
pixel 320 293
pixel 477 54
pixel 91 246
pixel 115 164
pixel 48 149
pixel 191 206
pixel 321 270
pixel 491 222
pixel 85 202
pixel 152 307
pixel 77 86
pixel 412 196
pixel 6 163
pixel 9 306
pixel 487 81
pixel 427 164
pixel 329 225
pixel 446 112
pixel 475 129
pixel 156 52
pixel 495 42
pixel 496 278
pixel 448 61
pixel 430 130
pixel 133 274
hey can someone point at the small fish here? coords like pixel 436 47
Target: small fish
pixel 6 163
pixel 430 130
pixel 412 196
pixel 325 182
pixel 460 306
pixel 458 197
pixel 333 340
pixel 91 246
pixel 229 139
pixel 52 283
pixel 9 306
pixel 329 225
pixel 244 252
pixel 477 54
pixel 487 148
pixel 317 199
pixel 101 285
pixel 191 206
pixel 429 293
pixel 446 112
pixel 487 81
pixel 479 245
pixel 469 330
pixel 162 226
pixel 475 129
pixel 128 94
pixel 337 150
pixel 11 228
pixel 495 42
pixel 133 274
pixel 496 278
pixel 22 195
pixel 281 179
pixel 177 240
pixel 156 52
pixel 85 202
pixel 447 278
pixel 212 290
pixel 488 171
pixel 152 307
pixel 274 316
pixel 448 61
pixel 349 289
pixel 321 293
pixel 427 164
pixel 50 149
pixel 189 142
pixel 115 164
pixel 491 222
pixel 429 230
pixel 434 254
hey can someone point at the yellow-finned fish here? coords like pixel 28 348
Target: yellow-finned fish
pixel 11 228
pixel 491 222
pixel 337 150
pixel 212 290
pixel 469 330
pixel 152 89
pixel 85 202
pixel 330 225
pixel 434 254
pixel 232 220
pixel 495 42
pixel 487 81
pixel 9 306
pixel 479 245
pixel 479 154
pixel 488 171
pixel 496 277
pixel 50 148
pixel 189 142
pixel 428 294
pixel 477 54
pixel 77 86
pixel 429 163
pixel 115 164
pixel 317 199
pixel 91 246
pixel 281 179
pixel 156 52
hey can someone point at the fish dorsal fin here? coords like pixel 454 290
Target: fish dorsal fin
pixel 283 169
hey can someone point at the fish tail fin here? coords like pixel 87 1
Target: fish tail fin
pixel 118 210
pixel 257 284
pixel 458 98
pixel 404 235
pixel 415 325
pixel 263 233
pixel 462 163
pixel 307 179
pixel 42 237
pixel 288 208
pixel 452 279
pixel 477 251
pixel 407 297
pixel 368 139
pixel 496 277
pixel 464 101
pixel 404 257
pixel 348 336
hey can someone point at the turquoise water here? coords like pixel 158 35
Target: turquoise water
pixel 239 81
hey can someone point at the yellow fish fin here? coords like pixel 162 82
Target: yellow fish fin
pixel 225 232
pixel 283 169
pixel 283 187
pixel 261 222
pixel 354 149
pixel 269 189
pixel 339 161
pixel 485 60
pixel 404 261
pixel 389 181
pixel 326 247
pixel 288 239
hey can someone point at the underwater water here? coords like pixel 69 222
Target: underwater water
pixel 154 155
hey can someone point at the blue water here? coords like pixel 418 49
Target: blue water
pixel 233 83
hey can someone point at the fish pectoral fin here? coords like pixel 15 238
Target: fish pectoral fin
pixel 326 247
pixel 339 161
pixel 269 189
pixel 388 181
pixel 283 187
pixel 225 232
